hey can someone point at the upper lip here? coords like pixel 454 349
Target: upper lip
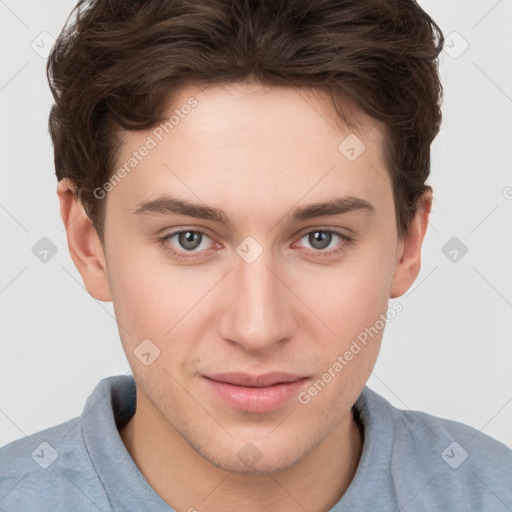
pixel 259 381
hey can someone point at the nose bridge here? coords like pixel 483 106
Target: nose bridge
pixel 258 314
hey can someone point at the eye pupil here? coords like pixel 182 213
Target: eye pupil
pixel 317 239
pixel 188 239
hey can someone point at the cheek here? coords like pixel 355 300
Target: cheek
pixel 354 308
pixel 156 301
pixel 142 294
pixel 353 304
pixel 353 296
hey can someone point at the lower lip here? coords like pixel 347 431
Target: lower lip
pixel 256 400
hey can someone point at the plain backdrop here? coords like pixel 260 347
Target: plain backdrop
pixel 448 353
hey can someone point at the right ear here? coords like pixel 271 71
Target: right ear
pixel 84 244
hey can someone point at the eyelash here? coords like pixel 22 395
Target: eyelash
pixel 347 242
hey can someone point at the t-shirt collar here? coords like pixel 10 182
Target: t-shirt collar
pixel 113 402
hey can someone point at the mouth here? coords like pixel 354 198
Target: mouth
pixel 255 393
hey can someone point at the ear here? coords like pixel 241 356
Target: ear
pixel 83 242
pixel 408 260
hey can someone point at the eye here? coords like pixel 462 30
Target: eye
pixel 321 239
pixel 186 241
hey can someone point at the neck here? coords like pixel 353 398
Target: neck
pixel 167 461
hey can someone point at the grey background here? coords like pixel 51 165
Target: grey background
pixel 449 351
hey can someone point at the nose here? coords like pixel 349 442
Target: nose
pixel 258 314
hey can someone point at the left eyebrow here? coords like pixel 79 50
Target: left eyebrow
pixel 337 206
pixel 167 205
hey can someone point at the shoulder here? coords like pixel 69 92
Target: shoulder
pixel 50 470
pixel 436 462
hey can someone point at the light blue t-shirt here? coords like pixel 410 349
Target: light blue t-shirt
pixel 411 462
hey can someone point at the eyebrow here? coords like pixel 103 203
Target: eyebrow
pixel 167 205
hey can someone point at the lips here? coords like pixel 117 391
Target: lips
pixel 255 393
pixel 257 381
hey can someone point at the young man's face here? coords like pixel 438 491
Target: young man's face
pixel 267 291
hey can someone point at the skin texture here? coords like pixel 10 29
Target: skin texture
pixel 257 153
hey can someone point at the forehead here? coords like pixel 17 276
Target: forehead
pixel 270 115
pixel 248 142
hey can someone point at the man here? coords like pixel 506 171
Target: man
pixel 245 181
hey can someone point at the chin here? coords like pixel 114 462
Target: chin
pixel 253 458
pixel 265 465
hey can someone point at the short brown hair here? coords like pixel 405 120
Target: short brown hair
pixel 116 64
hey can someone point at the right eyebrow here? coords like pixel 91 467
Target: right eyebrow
pixel 167 205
